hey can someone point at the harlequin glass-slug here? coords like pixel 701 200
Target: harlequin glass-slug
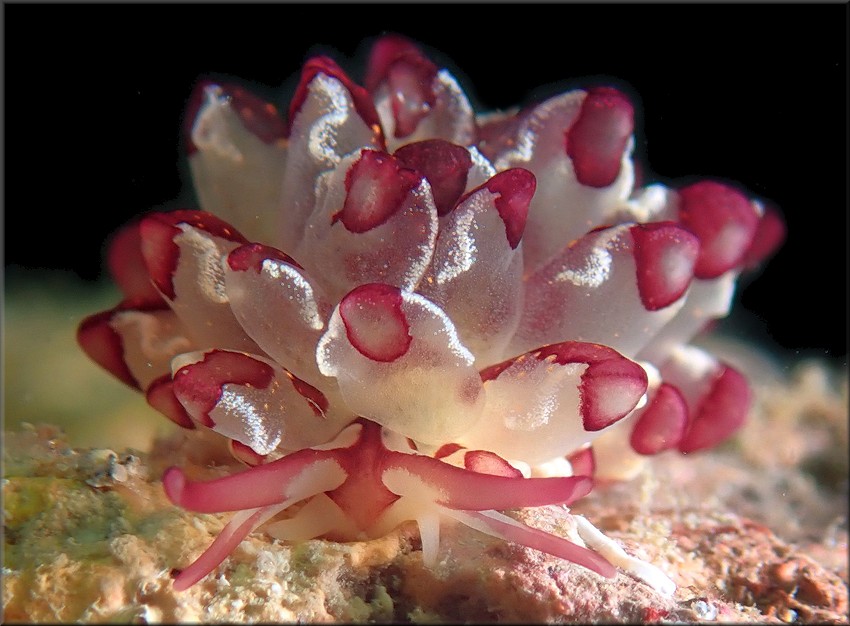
pixel 394 308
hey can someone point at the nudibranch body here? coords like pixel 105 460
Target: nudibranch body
pixel 395 309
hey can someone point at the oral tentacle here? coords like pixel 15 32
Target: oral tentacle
pixel 294 477
pixel 456 488
pixel 427 518
pixel 242 524
pixel 319 517
pixel 615 554
pixel 501 526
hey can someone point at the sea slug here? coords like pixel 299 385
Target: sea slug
pixel 394 308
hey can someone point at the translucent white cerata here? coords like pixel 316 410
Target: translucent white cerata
pixel 394 308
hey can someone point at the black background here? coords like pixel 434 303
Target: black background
pixel 754 94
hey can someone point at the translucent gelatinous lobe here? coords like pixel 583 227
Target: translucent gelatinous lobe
pixel 261 118
pixel 409 77
pixel 443 164
pixel 497 132
pixel 103 339
pixel 447 449
pixel 104 346
pixel 769 235
pixel 665 255
pixel 199 386
pixel 583 462
pixel 549 402
pixel 252 256
pixel 317 399
pixel 376 185
pixel 327 66
pixel 486 462
pixel 277 306
pixel 375 322
pixel 607 372
pixel 384 53
pixel 245 453
pixel 596 140
pixel 662 423
pixel 720 412
pixel 127 266
pixel 161 253
pixel 725 222
pixel 515 188
pixel 160 395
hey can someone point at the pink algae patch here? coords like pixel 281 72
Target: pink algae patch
pixel 446 449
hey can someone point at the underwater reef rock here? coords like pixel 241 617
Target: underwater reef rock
pixel 749 532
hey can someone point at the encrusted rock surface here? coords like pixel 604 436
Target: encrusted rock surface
pixel 753 532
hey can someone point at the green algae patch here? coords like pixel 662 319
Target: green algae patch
pixel 381 604
pixel 57 558
pixel 45 516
